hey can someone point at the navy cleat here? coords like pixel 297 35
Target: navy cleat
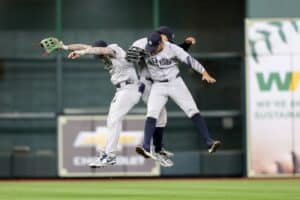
pixel 143 152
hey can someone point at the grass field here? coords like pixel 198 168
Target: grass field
pixel 220 189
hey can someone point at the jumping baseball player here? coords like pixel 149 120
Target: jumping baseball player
pixel 135 54
pixel 128 90
pixel 128 93
pixel 168 35
pixel 163 68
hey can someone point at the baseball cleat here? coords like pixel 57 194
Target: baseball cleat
pixel 215 145
pixel 103 161
pixel 164 160
pixel 167 153
pixel 96 164
pixel 143 152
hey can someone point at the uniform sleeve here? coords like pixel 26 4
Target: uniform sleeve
pixel 141 43
pixel 115 50
pixel 186 58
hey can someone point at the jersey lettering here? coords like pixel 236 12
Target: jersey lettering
pixel 165 61
pixel 153 61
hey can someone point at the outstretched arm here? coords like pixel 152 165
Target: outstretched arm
pixel 187 43
pixel 74 47
pixel 51 44
pixel 92 51
pixel 192 62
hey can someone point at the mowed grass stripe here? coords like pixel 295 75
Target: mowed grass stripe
pixel 154 189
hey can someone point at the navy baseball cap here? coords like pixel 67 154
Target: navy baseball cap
pixel 166 31
pixel 100 43
pixel 153 40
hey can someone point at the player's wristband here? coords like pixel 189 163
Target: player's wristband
pixel 65 47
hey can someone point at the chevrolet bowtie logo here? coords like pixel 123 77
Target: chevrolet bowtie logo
pixel 98 138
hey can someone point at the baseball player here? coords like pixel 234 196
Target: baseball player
pixel 163 68
pixel 168 35
pixel 135 54
pixel 128 91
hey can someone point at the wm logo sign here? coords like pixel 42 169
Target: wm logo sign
pixel 283 82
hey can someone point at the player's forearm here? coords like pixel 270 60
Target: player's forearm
pixel 96 51
pixel 185 46
pixel 74 47
pixel 195 64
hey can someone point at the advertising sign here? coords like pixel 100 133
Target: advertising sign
pixel 80 138
pixel 273 100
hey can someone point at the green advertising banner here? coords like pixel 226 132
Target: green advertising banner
pixel 273 99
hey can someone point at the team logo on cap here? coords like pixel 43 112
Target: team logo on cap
pixel 150 42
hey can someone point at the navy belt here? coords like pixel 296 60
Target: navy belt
pixel 167 80
pixel 149 79
pixel 119 85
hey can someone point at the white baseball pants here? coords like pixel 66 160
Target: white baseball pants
pixel 162 118
pixel 179 93
pixel 124 100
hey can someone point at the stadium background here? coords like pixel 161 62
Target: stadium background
pixel 36 89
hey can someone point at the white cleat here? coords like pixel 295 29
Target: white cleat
pixel 164 160
pixel 167 153
pixel 103 161
pixel 96 164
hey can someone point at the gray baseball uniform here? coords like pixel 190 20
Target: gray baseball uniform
pixel 145 77
pixel 119 69
pixel 163 68
pixel 161 61
pixel 124 77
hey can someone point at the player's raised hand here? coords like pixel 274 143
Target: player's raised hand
pixel 206 77
pixel 190 40
pixel 74 55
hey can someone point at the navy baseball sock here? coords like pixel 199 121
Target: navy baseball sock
pixel 202 128
pixel 157 138
pixel 149 131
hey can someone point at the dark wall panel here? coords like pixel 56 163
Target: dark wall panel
pixel 218 25
pixel 28 80
pixel 27 15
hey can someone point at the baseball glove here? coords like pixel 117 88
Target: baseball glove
pixel 51 44
pixel 135 54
